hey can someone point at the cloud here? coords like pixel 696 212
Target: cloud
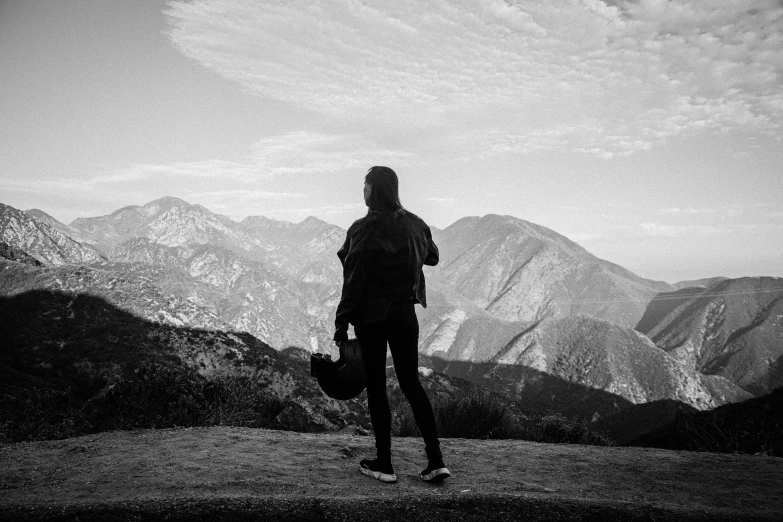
pixel 219 169
pixel 240 203
pixel 287 154
pixel 443 201
pixel 519 77
pixel 348 208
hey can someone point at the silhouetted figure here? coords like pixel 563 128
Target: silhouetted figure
pixel 382 259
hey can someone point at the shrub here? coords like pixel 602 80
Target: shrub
pixel 156 396
pixel 36 414
pixel 163 396
pixel 709 431
pixel 483 415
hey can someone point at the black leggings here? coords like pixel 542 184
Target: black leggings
pixel 400 329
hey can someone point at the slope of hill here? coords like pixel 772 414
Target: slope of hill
pixel 638 420
pixel 509 298
pixel 168 221
pixel 64 229
pixel 589 368
pixel 619 360
pixel 306 251
pixel 135 295
pixel 248 295
pixel 80 343
pixel 11 253
pixel 520 271
pixel 752 426
pixel 38 239
pixel 732 329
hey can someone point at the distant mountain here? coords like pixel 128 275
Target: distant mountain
pixel 704 283
pixel 599 355
pixel 304 251
pixel 64 229
pixel 733 329
pixel 513 306
pixel 519 271
pixel 247 295
pixel 168 221
pixel 124 290
pixel 40 240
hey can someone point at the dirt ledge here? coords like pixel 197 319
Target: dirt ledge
pixel 247 474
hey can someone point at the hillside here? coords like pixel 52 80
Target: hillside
pixel 513 305
pixel 517 270
pixel 248 474
pixel 40 240
pixel 732 329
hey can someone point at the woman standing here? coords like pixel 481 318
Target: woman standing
pixel 382 261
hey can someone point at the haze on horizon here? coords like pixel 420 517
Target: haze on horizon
pixel 647 131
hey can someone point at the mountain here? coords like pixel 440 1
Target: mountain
pixel 78 329
pixel 520 271
pixel 40 240
pixel 733 329
pixel 639 420
pixel 80 344
pixel 14 254
pixel 513 306
pixel 64 229
pixel 304 251
pixel 597 355
pixel 127 292
pixel 247 295
pixel 168 221
pixel 754 426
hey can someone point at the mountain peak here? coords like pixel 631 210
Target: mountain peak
pixel 40 215
pixel 167 203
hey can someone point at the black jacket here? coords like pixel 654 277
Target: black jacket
pixel 382 258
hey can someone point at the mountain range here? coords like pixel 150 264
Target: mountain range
pixel 513 305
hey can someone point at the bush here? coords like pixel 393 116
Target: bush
pixel 709 431
pixel 156 396
pixel 36 414
pixel 483 415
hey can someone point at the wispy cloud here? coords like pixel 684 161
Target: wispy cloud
pixel 443 201
pixel 287 154
pixel 348 208
pixel 584 76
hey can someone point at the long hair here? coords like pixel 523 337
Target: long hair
pixel 384 195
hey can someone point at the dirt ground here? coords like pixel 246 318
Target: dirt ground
pixel 249 474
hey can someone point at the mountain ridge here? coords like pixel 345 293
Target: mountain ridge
pixel 507 294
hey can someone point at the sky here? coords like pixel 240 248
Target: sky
pixel 648 131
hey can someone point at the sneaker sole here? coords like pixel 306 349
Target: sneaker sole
pixel 436 475
pixel 377 475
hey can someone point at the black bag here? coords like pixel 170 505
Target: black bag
pixel 342 379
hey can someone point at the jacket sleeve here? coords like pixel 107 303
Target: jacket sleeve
pixel 354 279
pixel 433 256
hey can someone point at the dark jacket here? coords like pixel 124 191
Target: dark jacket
pixel 382 258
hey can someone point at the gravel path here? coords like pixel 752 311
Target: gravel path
pixel 247 474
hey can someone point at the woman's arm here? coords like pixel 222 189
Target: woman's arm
pixel 354 281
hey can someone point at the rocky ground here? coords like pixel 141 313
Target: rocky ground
pixel 250 474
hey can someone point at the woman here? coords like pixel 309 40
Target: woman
pixel 382 259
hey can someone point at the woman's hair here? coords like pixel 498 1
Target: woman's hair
pixel 384 195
